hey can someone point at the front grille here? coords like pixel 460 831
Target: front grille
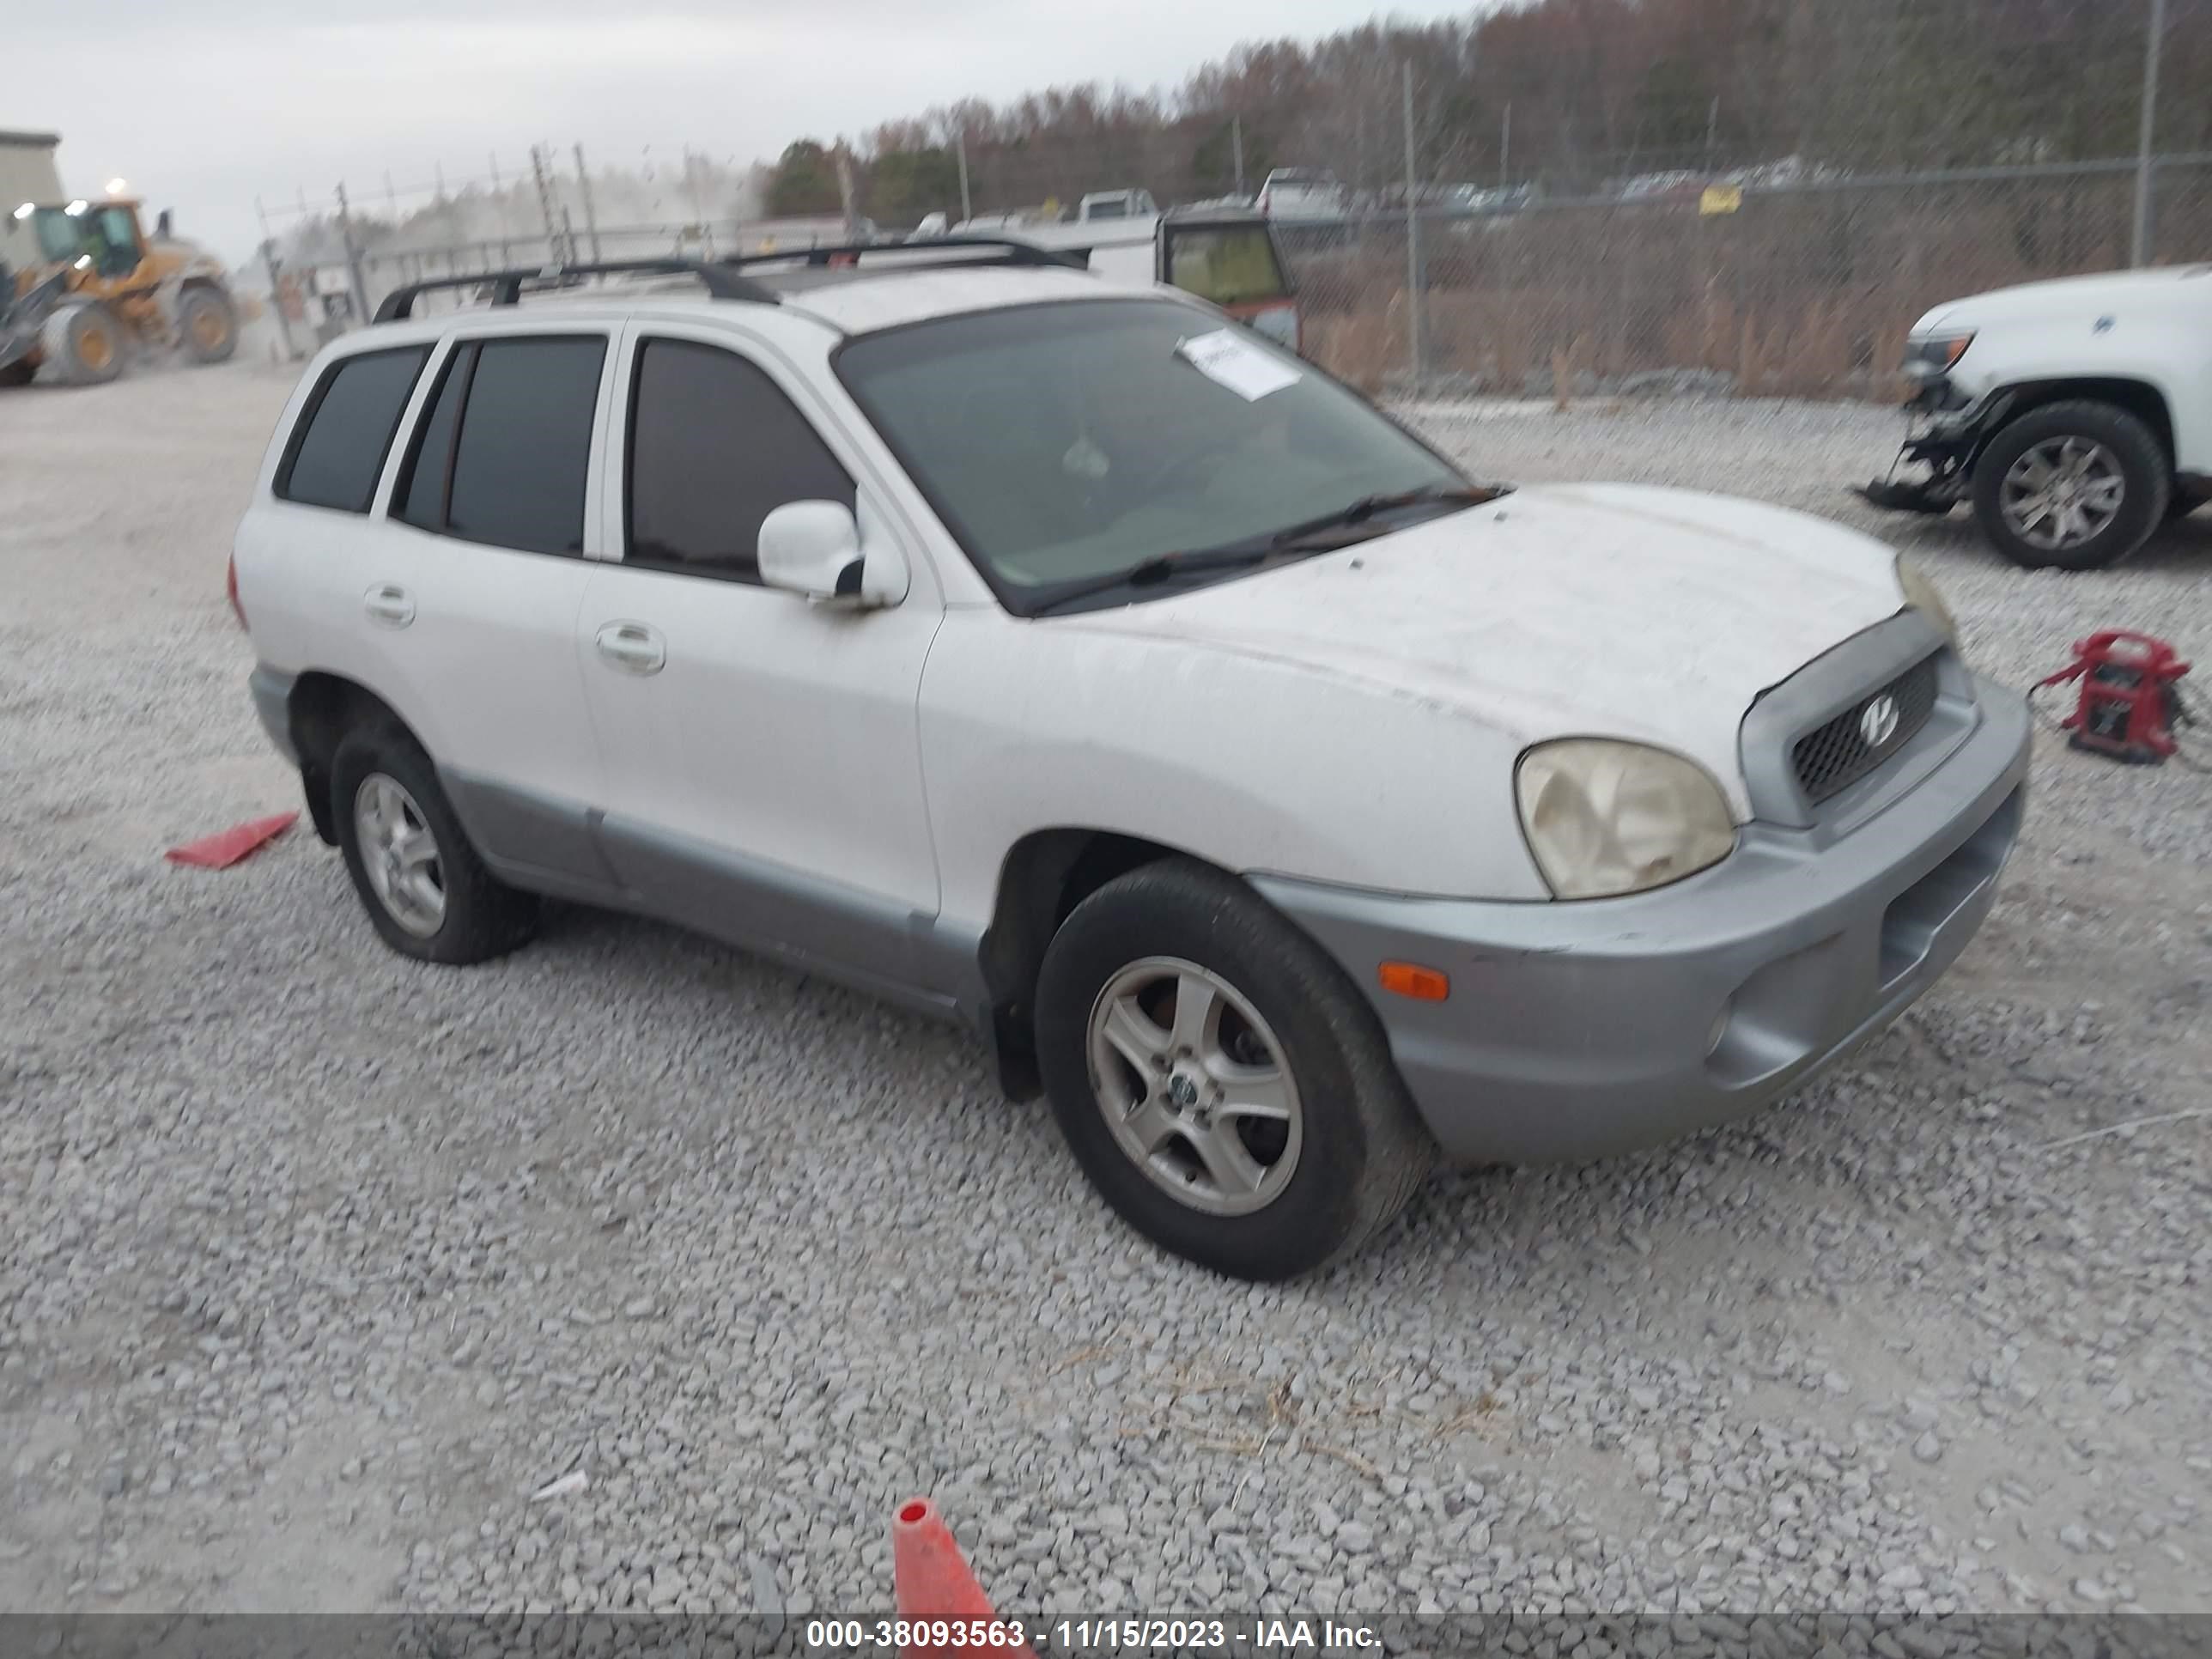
pixel 1831 758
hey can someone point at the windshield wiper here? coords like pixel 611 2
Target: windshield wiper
pixel 1368 507
pixel 1160 568
pixel 1297 539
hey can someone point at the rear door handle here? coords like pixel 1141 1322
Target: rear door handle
pixel 633 647
pixel 387 603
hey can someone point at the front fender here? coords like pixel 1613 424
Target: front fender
pixel 1253 764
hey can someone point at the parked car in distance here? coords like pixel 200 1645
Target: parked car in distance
pixel 1114 204
pixel 1293 808
pixel 1302 193
pixel 2076 414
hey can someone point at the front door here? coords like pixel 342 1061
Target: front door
pixel 761 754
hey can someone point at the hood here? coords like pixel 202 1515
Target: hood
pixel 1595 609
pixel 2031 300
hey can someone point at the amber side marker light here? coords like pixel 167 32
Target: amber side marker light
pixel 1408 979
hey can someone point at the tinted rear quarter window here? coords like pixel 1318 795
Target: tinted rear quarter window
pixel 526 443
pixel 714 447
pixel 420 498
pixel 338 454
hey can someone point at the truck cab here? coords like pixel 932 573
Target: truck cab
pixel 1227 257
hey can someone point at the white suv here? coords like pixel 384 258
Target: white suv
pixel 1061 659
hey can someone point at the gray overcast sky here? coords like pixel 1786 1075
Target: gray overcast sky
pixel 203 104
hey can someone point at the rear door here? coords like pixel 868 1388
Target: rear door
pixel 490 520
pixel 763 754
pixel 314 547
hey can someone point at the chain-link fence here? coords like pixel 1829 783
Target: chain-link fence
pixel 1794 288
pixel 1803 288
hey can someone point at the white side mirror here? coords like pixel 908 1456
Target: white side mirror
pixel 815 548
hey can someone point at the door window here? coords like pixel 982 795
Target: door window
pixel 504 448
pixel 714 447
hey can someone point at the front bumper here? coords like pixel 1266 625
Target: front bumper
pixel 1577 1029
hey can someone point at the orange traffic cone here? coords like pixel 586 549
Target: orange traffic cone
pixel 932 1584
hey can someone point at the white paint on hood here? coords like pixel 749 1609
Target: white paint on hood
pixel 1606 610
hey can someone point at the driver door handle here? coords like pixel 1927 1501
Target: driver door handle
pixel 387 603
pixel 633 647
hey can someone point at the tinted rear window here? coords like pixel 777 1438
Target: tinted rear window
pixel 338 452
pixel 1231 265
pixel 526 443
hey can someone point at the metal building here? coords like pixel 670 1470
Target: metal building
pixel 28 174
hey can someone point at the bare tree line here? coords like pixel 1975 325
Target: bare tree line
pixel 1566 94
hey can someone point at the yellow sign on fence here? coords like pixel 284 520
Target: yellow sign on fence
pixel 1720 198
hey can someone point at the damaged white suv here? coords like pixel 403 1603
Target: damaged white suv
pixel 1060 659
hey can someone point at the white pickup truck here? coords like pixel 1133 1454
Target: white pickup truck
pixel 2076 414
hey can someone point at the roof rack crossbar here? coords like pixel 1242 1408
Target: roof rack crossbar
pixel 721 282
pixel 1011 250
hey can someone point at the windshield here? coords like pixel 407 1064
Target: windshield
pixel 1230 265
pixel 59 236
pixel 1113 207
pixel 1062 443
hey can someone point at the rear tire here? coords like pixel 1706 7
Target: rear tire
pixel 1288 1059
pixel 207 323
pixel 2072 486
pixel 428 894
pixel 85 343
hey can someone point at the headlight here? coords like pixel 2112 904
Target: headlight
pixel 1920 593
pixel 1935 354
pixel 1604 818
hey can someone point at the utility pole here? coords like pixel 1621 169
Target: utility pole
pixel 1713 130
pixel 558 254
pixel 960 150
pixel 1412 237
pixel 276 283
pixel 361 312
pixel 843 158
pixel 438 170
pixel 499 200
pixel 2145 164
pixel 1237 149
pixel 590 219
pixel 1505 149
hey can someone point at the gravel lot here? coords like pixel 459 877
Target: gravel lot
pixel 317 1263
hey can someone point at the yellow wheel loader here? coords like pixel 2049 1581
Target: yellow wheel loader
pixel 98 289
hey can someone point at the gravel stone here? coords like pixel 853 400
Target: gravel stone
pixel 347 1254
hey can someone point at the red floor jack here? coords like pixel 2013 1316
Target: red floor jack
pixel 2130 696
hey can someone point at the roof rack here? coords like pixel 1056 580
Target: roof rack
pixel 1011 250
pixel 722 282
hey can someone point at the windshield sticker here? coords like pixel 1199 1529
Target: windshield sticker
pixel 1228 359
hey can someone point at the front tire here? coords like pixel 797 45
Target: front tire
pixel 84 342
pixel 2072 486
pixel 428 894
pixel 207 323
pixel 1224 1085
